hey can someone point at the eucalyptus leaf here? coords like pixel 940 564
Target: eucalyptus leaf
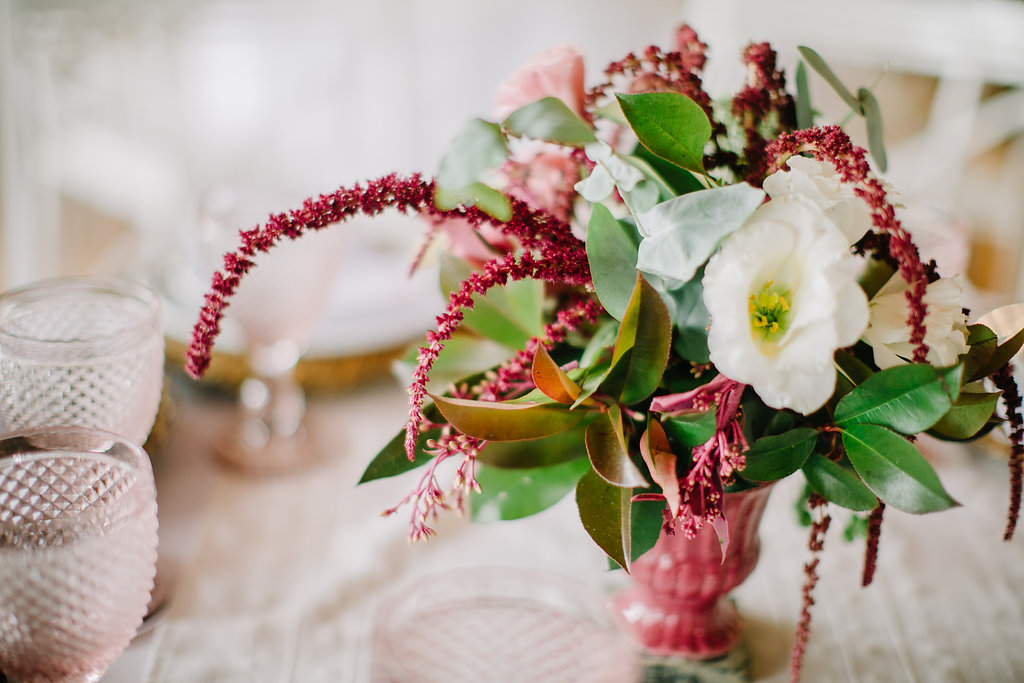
pixel 605 513
pixel 804 111
pixel 894 469
pixel 517 493
pixel 873 118
pixel 815 61
pixel 837 484
pixel 612 257
pixel 776 457
pixel 550 119
pixel 907 398
pixel 679 235
pixel 671 125
pixel 478 149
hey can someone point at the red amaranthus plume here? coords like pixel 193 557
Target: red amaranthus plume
pixel 815 543
pixel 551 254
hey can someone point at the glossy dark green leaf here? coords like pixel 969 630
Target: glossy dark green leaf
pixel 815 61
pixel 550 119
pixel 968 416
pixel 873 118
pixel 775 457
pixel 392 460
pixel 509 315
pixel 551 450
pixel 642 346
pixel 506 421
pixel 894 469
pixel 518 493
pixel 605 514
pixel 609 454
pixel 837 484
pixel 1001 355
pixel 646 520
pixel 612 257
pixel 907 398
pixel 670 125
pixel 690 431
pixel 852 367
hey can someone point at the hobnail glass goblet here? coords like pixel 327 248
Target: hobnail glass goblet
pixel 81 351
pixel 78 539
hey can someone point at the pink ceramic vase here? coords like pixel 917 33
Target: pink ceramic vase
pixel 677 603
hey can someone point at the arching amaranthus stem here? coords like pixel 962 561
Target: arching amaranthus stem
pixel 871 546
pixel 1004 380
pixel 815 543
pixel 559 258
pixel 831 144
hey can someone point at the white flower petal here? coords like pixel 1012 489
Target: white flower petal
pixel 597 186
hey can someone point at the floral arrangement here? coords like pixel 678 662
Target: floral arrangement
pixel 678 298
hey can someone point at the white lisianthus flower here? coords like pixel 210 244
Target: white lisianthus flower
pixel 819 182
pixel 944 321
pixel 783 296
pixel 610 171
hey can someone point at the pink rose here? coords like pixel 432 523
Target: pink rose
pixel 478 246
pixel 545 180
pixel 557 72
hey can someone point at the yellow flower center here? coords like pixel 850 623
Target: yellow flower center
pixel 769 310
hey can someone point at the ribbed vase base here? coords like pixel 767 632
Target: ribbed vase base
pixel 733 667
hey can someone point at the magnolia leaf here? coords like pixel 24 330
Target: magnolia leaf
pixel 518 493
pixel 894 469
pixel 690 431
pixel 679 235
pixel 776 457
pixel 1001 355
pixel 815 61
pixel 505 421
pixel 606 446
pixel 641 349
pixel 837 484
pixel 612 257
pixel 873 118
pixel 971 413
pixel 804 112
pixel 661 462
pixel 551 379
pixel 550 119
pixel 605 513
pixel 907 398
pixel 671 125
pixel 509 315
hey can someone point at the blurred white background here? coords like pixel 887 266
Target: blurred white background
pixel 120 116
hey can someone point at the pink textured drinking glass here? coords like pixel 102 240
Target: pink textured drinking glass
pixel 81 351
pixel 78 539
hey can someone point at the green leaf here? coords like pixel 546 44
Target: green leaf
pixel 464 355
pixel 873 118
pixel 804 112
pixel 518 493
pixel 679 235
pixel 837 484
pixel 678 181
pixel 646 520
pixel 776 457
pixel 894 469
pixel 550 119
pixel 815 61
pixel 907 398
pixel 1001 355
pixel 392 460
pixel 552 450
pixel 612 257
pixel 692 321
pixel 478 149
pixel 609 454
pixel 605 513
pixel 485 198
pixel 510 315
pixel 505 421
pixel 690 431
pixel 671 125
pixel 853 368
pixel 968 416
pixel 641 349
pixel 551 379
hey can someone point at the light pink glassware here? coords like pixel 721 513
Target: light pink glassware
pixel 500 625
pixel 81 351
pixel 78 546
pixel 677 603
